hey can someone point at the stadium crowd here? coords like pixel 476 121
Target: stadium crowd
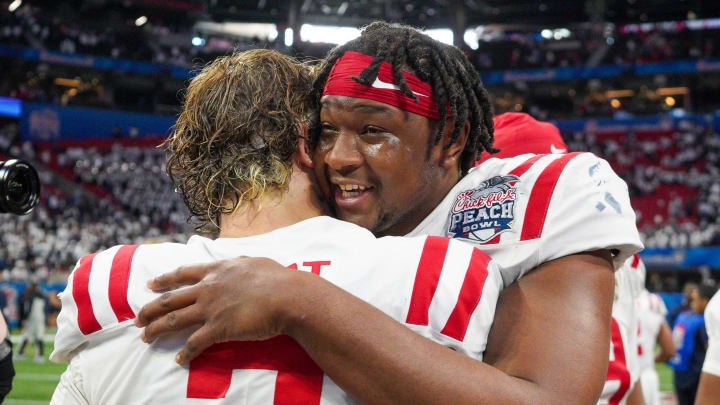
pixel 57 27
pixel 132 201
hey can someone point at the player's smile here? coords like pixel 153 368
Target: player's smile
pixel 349 195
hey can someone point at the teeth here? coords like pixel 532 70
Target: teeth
pixel 352 187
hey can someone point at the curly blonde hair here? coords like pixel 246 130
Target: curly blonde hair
pixel 239 126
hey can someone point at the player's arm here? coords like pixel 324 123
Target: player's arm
pixel 636 396
pixel 708 390
pixel 667 346
pixel 379 360
pixel 532 337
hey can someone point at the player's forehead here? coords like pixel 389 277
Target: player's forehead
pixel 346 106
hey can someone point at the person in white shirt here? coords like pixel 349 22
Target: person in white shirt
pixel 709 387
pixel 440 289
pixel 652 330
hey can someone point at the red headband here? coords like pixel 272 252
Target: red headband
pixel 384 90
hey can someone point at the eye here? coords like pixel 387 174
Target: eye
pixel 373 130
pixel 327 129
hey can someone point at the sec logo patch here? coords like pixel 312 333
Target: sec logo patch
pixel 484 212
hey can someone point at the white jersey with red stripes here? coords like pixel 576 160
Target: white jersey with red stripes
pixel 443 289
pixel 529 209
pixel 624 368
pixel 712 325
pixel 651 312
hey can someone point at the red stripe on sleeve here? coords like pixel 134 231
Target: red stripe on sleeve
pixel 81 279
pixel 636 261
pixel 518 171
pixel 526 165
pixel 470 295
pixel 426 279
pixel 119 280
pixel 542 191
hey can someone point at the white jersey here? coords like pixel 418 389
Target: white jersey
pixel 712 325
pixel 529 209
pixel 442 289
pixel 651 313
pixel 623 369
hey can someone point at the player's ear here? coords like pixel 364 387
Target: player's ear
pixel 451 154
pixel 304 152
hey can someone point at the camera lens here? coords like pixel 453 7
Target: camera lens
pixel 19 187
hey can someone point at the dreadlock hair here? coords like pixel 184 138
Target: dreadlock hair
pixel 453 78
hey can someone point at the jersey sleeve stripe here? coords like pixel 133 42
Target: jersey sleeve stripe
pixel 81 295
pixel 526 165
pixel 119 280
pixel 636 261
pixel 426 279
pixel 518 171
pixel 470 295
pixel 540 196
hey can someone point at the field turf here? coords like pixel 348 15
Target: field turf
pixel 34 383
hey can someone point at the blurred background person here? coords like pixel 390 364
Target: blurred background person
pixel 33 311
pixel 653 330
pixel 691 340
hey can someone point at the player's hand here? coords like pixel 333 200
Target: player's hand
pixel 235 299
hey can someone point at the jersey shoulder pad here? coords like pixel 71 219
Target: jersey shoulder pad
pixel 589 210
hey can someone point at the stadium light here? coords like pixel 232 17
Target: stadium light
pixel 288 36
pixel 197 41
pixel 328 33
pixel 670 101
pixel 14 5
pixel 444 35
pixel 471 39
pixel 140 21
pixel 546 33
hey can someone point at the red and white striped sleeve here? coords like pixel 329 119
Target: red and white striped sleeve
pixel 95 299
pixel 583 206
pixel 454 294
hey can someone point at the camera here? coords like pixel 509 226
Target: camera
pixel 19 187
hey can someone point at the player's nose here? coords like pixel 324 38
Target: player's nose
pixel 343 155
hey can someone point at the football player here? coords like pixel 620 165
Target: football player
pixel 709 388
pixel 520 133
pixel 238 157
pixel 653 330
pixel 403 119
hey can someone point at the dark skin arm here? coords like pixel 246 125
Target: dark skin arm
pixel 636 396
pixel 708 390
pixel 549 344
pixel 667 346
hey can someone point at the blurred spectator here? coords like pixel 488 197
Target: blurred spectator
pixel 691 340
pixel 33 312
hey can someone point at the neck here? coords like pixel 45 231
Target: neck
pixel 276 209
